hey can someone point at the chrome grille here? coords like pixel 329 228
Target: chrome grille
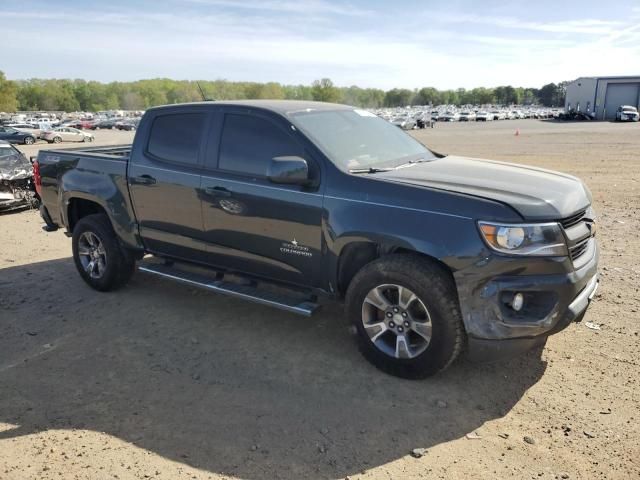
pixel 579 248
pixel 579 232
pixel 573 219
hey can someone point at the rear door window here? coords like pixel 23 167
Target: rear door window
pixel 176 137
pixel 249 143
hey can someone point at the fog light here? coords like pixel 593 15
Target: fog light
pixel 517 302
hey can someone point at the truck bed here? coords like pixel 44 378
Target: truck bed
pixel 113 152
pixel 94 177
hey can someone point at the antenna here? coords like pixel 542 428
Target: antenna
pixel 204 98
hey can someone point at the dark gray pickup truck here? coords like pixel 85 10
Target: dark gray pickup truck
pixel 282 202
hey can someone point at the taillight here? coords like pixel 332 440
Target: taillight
pixel 37 178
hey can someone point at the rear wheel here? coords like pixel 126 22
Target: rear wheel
pixel 405 311
pixel 100 259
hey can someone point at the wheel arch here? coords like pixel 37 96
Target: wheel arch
pixel 78 208
pixel 356 254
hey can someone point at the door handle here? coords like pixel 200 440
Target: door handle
pixel 143 180
pixel 217 191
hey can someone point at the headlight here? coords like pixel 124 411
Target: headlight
pixel 539 239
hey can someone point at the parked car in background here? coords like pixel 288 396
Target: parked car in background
pixel 66 134
pixel 28 128
pixel 108 124
pixel 424 120
pixel 41 121
pixel 467 116
pixel 17 189
pixel 127 125
pixel 448 116
pixel 627 113
pixel 406 123
pixel 483 116
pixel 84 124
pixel 13 135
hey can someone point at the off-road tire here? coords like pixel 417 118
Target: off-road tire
pixel 120 263
pixel 435 287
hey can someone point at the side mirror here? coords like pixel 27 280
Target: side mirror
pixel 290 170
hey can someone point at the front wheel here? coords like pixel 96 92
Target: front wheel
pixel 29 140
pixel 406 314
pixel 100 259
pixel 57 139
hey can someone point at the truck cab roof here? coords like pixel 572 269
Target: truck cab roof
pixel 282 107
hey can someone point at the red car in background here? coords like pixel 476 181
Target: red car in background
pixel 83 124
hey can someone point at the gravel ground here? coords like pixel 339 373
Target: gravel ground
pixel 162 381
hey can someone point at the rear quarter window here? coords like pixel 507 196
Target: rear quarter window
pixel 176 137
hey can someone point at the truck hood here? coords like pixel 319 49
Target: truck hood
pixel 535 193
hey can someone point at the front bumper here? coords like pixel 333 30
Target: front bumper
pixel 556 293
pixel 10 201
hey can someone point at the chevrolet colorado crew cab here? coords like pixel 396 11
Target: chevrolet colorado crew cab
pixel 282 202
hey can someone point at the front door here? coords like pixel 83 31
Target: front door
pixel 164 177
pixel 251 224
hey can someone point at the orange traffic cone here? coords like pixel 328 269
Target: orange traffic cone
pixel 517 132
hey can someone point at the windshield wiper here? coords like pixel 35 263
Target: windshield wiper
pixel 371 170
pixel 411 163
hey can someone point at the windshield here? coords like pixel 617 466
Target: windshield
pixel 354 139
pixel 7 151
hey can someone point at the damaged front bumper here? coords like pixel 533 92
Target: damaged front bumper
pixel 556 292
pixel 14 198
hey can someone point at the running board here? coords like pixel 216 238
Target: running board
pixel 303 307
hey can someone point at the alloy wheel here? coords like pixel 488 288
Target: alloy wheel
pixel 92 254
pixel 397 321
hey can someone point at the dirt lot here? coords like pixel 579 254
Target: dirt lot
pixel 162 381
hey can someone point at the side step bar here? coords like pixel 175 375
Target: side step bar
pixel 300 306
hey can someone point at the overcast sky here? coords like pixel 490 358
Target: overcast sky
pixel 370 43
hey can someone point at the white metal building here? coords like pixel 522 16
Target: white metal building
pixel 601 96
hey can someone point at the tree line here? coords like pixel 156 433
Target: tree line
pixel 81 95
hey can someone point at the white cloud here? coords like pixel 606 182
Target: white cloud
pixel 307 7
pixel 586 25
pixel 299 47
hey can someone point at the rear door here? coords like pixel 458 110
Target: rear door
pixel 251 224
pixel 73 135
pixel 67 135
pixel 164 180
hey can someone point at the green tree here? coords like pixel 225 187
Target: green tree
pixel 271 91
pixel 325 91
pixel 8 95
pixel 398 97
pixel 427 96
